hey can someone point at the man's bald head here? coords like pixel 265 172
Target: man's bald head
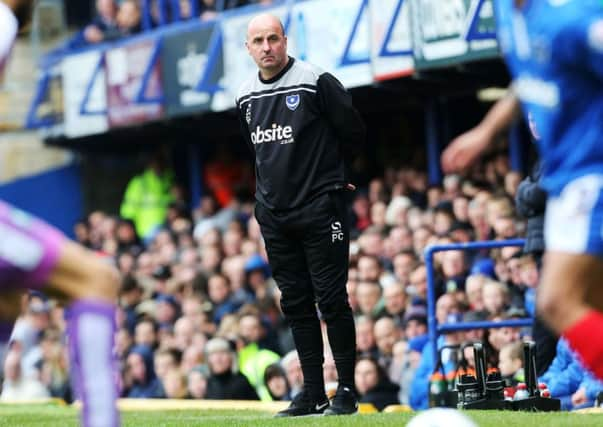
pixel 263 20
pixel 267 44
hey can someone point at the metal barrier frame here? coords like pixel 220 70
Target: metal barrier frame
pixel 434 330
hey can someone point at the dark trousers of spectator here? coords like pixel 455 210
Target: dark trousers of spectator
pixel 308 252
pixel 545 339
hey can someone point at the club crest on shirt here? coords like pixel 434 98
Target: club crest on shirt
pixel 248 114
pixel 292 101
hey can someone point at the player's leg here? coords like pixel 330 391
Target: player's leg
pixel 326 244
pixel 22 264
pixel 91 286
pixel 289 269
pixel 570 299
pixel 33 254
pixel 570 296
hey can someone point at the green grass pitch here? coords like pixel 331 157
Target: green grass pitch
pixel 44 415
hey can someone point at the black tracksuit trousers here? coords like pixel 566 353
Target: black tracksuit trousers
pixel 308 252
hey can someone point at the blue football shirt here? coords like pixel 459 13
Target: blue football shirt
pixel 554 50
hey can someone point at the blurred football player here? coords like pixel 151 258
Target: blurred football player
pixel 33 255
pixel 554 50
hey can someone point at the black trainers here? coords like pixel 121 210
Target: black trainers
pixel 344 402
pixel 303 405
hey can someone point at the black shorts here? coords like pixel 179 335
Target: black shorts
pixel 308 251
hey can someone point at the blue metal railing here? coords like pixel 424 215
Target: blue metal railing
pixel 434 330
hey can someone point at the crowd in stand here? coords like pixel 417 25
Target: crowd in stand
pixel 115 19
pixel 199 312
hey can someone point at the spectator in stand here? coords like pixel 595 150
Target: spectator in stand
pixel 225 382
pixel 128 18
pixel 28 330
pixel 224 174
pixel 474 286
pixel 460 208
pixel 417 287
pixel 193 356
pixel 434 196
pixel 104 24
pixel 276 383
pixel 54 370
pixel 145 333
pixel 369 268
pixel 495 296
pixel 446 305
pixel 452 186
pixel 257 283
pixel 443 218
pixel 361 214
pixel 454 272
pixel 386 335
pixel 163 12
pixel 499 337
pixel 208 10
pixel 166 360
pixel 396 214
pixel 175 384
pixel 197 382
pixel 81 229
pixel 412 359
pixel 368 295
pixel 404 262
pixel 123 344
pixel 371 242
pixel 219 292
pixel 127 240
pixel 253 359
pixel 148 196
pixel 130 296
pixel 567 379
pixel 365 338
pixel 16 386
pixel 415 322
pixel 167 310
pixel 394 298
pixel 377 215
pixel 141 379
pixel 184 332
pixel 420 237
pixel 510 363
pixel 461 232
pixel 474 335
pixel 351 287
pixel 292 367
pixel 373 385
pixel 377 191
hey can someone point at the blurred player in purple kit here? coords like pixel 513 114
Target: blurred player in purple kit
pixel 33 255
pixel 554 50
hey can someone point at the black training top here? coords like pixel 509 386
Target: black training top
pixel 298 123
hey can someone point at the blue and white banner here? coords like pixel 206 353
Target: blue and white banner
pixel 391 39
pixel 451 32
pixel 199 66
pixel 85 95
pixel 334 35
